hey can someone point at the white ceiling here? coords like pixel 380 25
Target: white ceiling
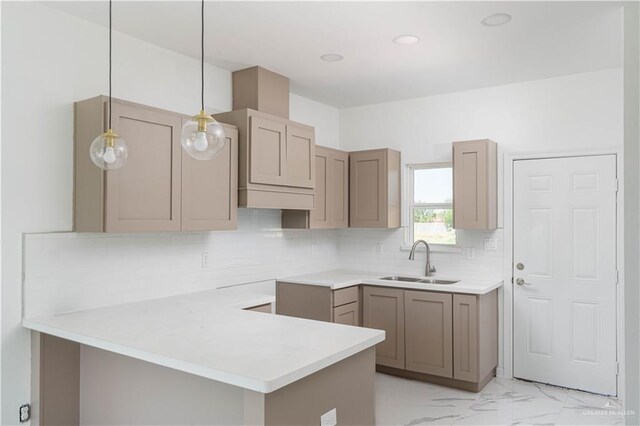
pixel 544 39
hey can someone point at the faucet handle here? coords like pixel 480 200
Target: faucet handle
pixel 432 269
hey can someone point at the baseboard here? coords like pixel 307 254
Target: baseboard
pixel 500 372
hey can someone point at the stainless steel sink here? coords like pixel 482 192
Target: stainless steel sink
pixel 420 280
pixel 435 281
pixel 405 279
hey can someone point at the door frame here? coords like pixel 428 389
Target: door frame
pixel 508 167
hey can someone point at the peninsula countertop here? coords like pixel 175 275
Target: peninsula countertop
pixel 337 279
pixel 210 335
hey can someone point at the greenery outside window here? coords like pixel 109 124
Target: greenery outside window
pixel 431 203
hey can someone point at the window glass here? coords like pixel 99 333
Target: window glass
pixel 432 205
pixel 432 186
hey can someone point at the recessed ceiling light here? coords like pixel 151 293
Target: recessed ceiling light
pixel 496 20
pixel 332 57
pixel 406 39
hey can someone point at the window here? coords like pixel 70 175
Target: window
pixel 431 203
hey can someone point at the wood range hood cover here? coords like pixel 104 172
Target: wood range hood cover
pixel 262 90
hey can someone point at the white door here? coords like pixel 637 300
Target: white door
pixel 564 271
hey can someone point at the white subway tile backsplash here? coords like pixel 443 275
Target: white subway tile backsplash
pixel 69 271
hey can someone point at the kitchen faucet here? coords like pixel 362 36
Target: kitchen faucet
pixel 428 269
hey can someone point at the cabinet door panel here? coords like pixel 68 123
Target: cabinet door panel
pixel 348 314
pixel 474 184
pixel 339 193
pixel 320 215
pixel 145 194
pixel 210 188
pixel 428 329
pixel 300 154
pixel 383 309
pixel 368 189
pixel 267 151
pixel 465 337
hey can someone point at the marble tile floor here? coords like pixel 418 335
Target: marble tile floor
pixel 502 402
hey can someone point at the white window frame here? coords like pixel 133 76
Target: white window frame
pixel 411 168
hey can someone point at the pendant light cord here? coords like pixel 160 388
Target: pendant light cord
pixel 110 63
pixel 202 59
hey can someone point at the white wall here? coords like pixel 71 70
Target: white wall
pixel 631 208
pixel 67 271
pixel 49 60
pixel 323 117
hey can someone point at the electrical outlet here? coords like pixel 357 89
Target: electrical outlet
pixel 25 413
pixel 330 418
pixel 471 253
pixel 490 244
pixel 379 248
pixel 205 259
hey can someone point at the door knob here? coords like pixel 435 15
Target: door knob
pixel 520 266
pixel 520 281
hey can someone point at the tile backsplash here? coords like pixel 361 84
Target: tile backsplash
pixel 71 271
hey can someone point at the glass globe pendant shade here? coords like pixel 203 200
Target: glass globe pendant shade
pixel 109 151
pixel 202 137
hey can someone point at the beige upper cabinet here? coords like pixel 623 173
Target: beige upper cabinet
pixel 210 188
pixel 374 189
pixel 475 187
pixel 331 194
pixel 276 160
pixel 428 332
pixel 383 309
pixel 157 185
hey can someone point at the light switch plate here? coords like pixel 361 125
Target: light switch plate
pixel 490 244
pixel 330 418
pixel 205 259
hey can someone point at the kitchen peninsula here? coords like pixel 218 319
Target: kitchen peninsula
pixel 210 359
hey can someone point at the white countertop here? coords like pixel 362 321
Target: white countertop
pixel 340 279
pixel 209 335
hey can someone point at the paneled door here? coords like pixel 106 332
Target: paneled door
pixel 564 272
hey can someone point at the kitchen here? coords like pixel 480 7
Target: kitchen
pixel 235 231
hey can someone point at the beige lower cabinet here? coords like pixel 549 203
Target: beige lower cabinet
pixel 475 336
pixel 445 338
pixel 383 309
pixel 331 201
pixel 428 332
pixel 348 314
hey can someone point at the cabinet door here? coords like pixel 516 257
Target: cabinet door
pixel 348 314
pixel 368 189
pixel 320 216
pixel 210 188
pixel 475 185
pixel 339 189
pixel 267 151
pixel 300 157
pixel 144 195
pixel 465 337
pixel 428 332
pixel 383 309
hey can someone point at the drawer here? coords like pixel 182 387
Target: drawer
pixel 266 308
pixel 348 314
pixel 345 295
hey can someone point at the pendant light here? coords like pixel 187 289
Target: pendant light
pixel 109 151
pixel 202 136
